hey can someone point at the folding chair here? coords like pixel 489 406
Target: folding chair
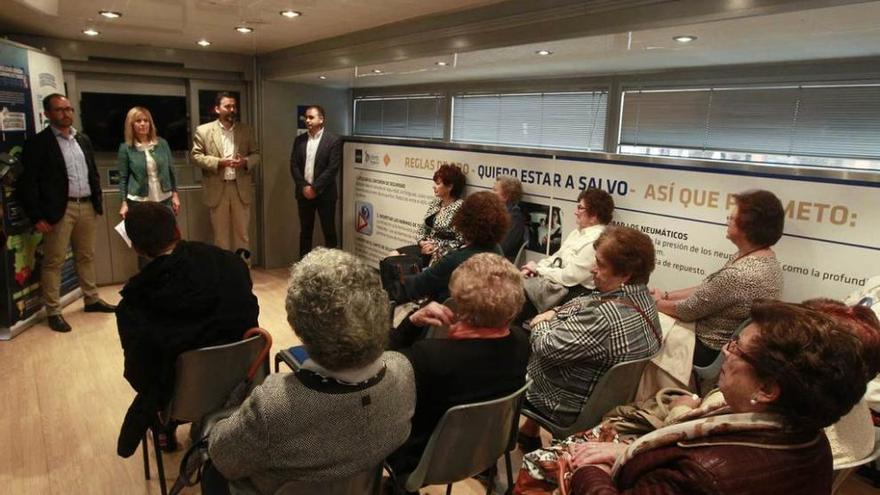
pixel 616 387
pixel 204 380
pixel 469 439
pixel 842 471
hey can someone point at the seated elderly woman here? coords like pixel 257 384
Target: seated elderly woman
pixel 509 190
pixel 346 409
pixel 722 302
pixel 793 371
pixel 569 270
pixel 575 344
pixel 482 222
pixel 436 235
pixel 482 358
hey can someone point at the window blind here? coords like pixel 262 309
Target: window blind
pixel 406 116
pixel 573 120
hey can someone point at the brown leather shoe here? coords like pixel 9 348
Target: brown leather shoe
pixel 99 306
pixel 58 324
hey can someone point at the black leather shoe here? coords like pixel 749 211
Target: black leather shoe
pixel 57 323
pixel 99 306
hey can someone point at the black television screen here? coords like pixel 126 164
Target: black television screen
pixel 103 118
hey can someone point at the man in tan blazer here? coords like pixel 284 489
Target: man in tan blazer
pixel 226 152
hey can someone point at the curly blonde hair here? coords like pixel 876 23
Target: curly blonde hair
pixel 336 305
pixel 487 290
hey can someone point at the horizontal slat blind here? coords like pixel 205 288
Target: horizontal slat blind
pixel 412 117
pixel 838 121
pixel 573 120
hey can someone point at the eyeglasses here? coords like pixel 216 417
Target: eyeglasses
pixel 65 110
pixel 581 208
pixel 734 347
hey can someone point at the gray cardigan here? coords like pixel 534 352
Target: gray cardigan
pixel 293 427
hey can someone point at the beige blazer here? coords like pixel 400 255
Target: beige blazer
pixel 207 151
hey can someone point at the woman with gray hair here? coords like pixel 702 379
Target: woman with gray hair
pixel 346 409
pixel 509 190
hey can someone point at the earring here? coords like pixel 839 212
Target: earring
pixel 754 399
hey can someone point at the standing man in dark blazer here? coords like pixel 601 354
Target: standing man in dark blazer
pixel 61 194
pixel 314 163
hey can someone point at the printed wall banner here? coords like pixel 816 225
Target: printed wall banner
pixel 26 76
pixel 829 247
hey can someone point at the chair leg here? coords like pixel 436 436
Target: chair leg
pixel 449 489
pixel 509 467
pixel 159 466
pixel 146 450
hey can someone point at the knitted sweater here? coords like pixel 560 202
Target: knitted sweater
pixel 299 426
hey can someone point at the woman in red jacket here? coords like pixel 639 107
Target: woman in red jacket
pixel 792 372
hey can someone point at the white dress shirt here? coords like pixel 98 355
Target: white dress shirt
pixel 311 151
pixel 227 141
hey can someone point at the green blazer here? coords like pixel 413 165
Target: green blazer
pixel 132 165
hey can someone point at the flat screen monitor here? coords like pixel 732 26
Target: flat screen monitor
pixel 103 118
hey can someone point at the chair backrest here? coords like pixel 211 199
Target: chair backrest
pixel 468 439
pixel 616 387
pixel 205 377
pixel 843 470
pixel 364 483
pixel 442 331
pixel 708 374
pixel 520 254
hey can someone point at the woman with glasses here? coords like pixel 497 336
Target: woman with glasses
pixel 568 271
pixel 722 302
pixel 792 372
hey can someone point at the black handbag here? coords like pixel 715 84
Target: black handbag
pixel 393 269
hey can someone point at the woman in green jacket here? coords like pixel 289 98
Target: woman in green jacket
pixel 145 164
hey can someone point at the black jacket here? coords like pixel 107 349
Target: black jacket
pixel 42 188
pixel 327 161
pixel 197 296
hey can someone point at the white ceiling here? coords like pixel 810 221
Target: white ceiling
pixel 181 23
pixel 836 32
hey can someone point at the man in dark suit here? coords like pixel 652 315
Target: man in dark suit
pixel 61 194
pixel 314 163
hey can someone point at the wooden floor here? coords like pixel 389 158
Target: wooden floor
pixel 63 399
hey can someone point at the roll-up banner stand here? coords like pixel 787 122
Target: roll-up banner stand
pixel 829 247
pixel 26 76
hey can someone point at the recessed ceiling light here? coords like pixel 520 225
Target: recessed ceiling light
pixel 244 29
pixel 442 64
pixel 684 39
pixel 203 43
pixel 323 78
pixel 544 52
pixel 290 14
pixel 377 71
pixel 90 32
pixel 110 14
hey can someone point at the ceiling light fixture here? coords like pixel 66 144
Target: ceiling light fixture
pixel 110 14
pixel 290 14
pixel 323 78
pixel 90 32
pixel 543 52
pixel 244 29
pixel 377 71
pixel 203 43
pixel 442 64
pixel 684 39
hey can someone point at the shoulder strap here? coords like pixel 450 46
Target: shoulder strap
pixel 632 305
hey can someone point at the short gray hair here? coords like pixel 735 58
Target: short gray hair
pixel 512 187
pixel 336 305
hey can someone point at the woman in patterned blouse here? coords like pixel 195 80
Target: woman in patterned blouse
pixel 723 301
pixel 436 237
